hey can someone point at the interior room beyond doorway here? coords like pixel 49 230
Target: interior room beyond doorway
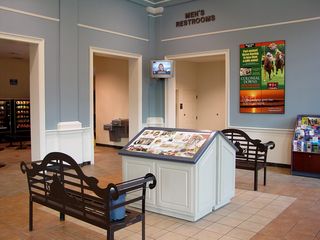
pixel 200 92
pixel 111 100
pixel 15 107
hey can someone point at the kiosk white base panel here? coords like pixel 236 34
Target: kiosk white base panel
pixel 184 190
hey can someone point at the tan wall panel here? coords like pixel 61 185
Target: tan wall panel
pixel 14 69
pixel 112 93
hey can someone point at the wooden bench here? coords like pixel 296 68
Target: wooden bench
pixel 251 154
pixel 58 182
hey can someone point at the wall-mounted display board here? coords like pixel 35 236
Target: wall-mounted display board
pixel 262 77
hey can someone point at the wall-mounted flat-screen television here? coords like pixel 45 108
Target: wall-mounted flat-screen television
pixel 161 69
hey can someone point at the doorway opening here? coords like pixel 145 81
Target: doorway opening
pixel 22 95
pixel 111 100
pixel 197 96
pixel 116 97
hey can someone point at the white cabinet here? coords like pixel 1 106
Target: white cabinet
pixel 175 187
pixel 224 177
pixel 188 190
pixel 134 168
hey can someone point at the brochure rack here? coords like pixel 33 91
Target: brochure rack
pixel 305 146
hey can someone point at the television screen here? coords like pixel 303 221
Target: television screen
pixel 161 69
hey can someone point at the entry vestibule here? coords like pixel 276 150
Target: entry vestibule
pixel 111 96
pixel 36 88
pixel 16 79
pixel 134 67
pixel 200 92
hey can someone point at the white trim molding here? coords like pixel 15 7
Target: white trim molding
pixel 154 16
pixel 241 29
pixel 73 140
pixel 135 89
pixel 281 137
pixel 28 13
pixel 112 32
pixel 159 2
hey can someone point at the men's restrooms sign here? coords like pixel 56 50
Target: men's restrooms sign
pixel 262 85
pixel 195 17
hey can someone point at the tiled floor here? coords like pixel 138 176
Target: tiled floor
pixel 287 208
pixel 247 214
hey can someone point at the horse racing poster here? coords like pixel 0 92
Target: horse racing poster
pixel 262 70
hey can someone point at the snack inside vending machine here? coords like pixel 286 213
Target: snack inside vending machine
pixel 15 120
pixel 5 118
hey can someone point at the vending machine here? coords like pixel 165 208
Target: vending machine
pixel 21 117
pixel 5 118
pixel 14 120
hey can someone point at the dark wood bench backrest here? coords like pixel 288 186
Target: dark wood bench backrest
pixel 58 182
pixel 248 149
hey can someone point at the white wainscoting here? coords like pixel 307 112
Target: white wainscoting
pixel 281 154
pixel 72 141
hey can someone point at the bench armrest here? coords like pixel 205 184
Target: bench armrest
pixel 269 145
pixel 115 190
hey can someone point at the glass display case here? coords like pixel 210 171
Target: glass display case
pixel 5 115
pixel 15 119
pixel 21 116
pixel 305 146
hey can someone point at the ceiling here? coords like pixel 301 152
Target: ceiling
pixel 160 3
pixel 14 49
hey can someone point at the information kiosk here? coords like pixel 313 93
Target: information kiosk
pixel 195 170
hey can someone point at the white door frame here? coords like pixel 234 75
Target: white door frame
pixel 170 86
pixel 37 92
pixel 135 89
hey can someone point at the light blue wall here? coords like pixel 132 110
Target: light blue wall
pixel 124 17
pixel 67 49
pixel 302 51
pixel 20 24
pixel 49 8
pixel 69 60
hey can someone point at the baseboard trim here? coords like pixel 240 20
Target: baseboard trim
pixel 263 130
pixel 281 137
pixel 85 163
pixel 305 174
pixel 108 145
pixel 280 165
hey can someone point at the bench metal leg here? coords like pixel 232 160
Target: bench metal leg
pixel 110 235
pixel 265 176
pixel 62 216
pixel 255 180
pixel 143 228
pixel 30 215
